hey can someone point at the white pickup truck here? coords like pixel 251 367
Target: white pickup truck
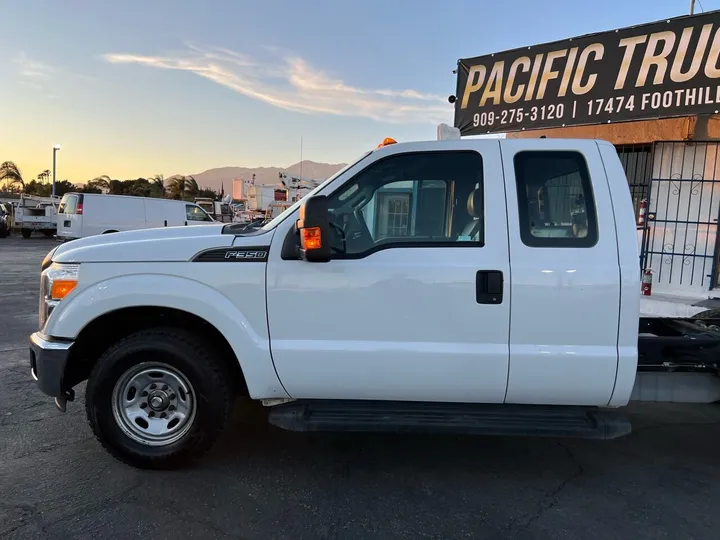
pixel 465 286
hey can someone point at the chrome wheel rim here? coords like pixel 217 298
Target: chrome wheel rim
pixel 154 404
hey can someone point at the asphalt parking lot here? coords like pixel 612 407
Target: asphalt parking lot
pixel 663 481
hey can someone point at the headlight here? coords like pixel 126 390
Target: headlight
pixel 56 282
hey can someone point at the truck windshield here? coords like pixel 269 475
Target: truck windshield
pixel 274 222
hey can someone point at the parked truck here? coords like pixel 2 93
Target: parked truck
pixel 218 210
pixel 36 214
pixel 459 286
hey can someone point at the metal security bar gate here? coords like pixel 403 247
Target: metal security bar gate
pixel 636 159
pixel 681 182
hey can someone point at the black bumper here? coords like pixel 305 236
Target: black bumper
pixel 47 364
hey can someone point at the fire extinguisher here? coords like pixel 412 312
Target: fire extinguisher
pixel 643 211
pixel 647 282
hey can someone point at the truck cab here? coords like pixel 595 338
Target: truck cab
pixel 498 277
pixel 484 284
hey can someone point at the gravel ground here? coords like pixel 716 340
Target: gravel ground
pixel 56 482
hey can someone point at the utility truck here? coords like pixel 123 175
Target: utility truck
pixel 453 286
pixel 36 214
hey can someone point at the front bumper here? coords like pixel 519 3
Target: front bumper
pixel 48 359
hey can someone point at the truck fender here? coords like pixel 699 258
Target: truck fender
pixel 252 350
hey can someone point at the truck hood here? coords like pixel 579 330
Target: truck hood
pixel 166 244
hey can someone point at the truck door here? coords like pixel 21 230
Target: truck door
pixel 415 303
pixel 566 278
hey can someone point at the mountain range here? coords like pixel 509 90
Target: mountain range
pixel 223 176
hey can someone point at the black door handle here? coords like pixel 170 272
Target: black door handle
pixel 489 287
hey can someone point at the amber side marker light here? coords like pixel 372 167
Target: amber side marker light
pixel 61 288
pixel 311 238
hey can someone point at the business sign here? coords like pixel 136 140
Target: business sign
pixel 657 70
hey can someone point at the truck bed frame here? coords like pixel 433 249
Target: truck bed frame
pixel 684 345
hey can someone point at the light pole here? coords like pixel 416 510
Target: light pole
pixel 55 150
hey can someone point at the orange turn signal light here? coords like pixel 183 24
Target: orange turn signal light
pixel 311 238
pixel 387 141
pixel 61 288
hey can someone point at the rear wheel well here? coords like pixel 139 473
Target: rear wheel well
pixel 103 332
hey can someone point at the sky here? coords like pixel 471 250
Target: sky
pixel 143 87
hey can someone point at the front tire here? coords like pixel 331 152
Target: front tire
pixel 158 398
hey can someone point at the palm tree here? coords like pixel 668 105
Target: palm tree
pixel 157 185
pixel 176 187
pixel 181 187
pixel 191 187
pixel 45 175
pixel 10 174
pixel 101 182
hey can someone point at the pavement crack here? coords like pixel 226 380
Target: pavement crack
pixel 29 514
pixel 551 499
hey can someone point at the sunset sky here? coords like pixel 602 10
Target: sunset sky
pixel 137 88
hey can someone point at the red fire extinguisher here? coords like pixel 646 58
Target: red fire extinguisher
pixel 642 213
pixel 647 282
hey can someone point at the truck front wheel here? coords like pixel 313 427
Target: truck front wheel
pixel 158 398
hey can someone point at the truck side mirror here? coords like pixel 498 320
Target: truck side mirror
pixel 313 227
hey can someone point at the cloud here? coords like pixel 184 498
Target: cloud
pixel 32 69
pixel 291 83
pixel 44 78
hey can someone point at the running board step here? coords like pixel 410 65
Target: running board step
pixel 450 418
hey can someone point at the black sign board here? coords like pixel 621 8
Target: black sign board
pixel 657 70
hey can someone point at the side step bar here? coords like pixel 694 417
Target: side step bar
pixel 450 418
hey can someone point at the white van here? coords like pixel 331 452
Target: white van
pixel 88 214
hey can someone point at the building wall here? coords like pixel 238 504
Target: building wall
pixel 238 189
pixel 699 128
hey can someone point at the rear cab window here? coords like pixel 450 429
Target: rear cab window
pixel 207 206
pixel 195 213
pixel 555 199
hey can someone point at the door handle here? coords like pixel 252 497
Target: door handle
pixel 489 287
